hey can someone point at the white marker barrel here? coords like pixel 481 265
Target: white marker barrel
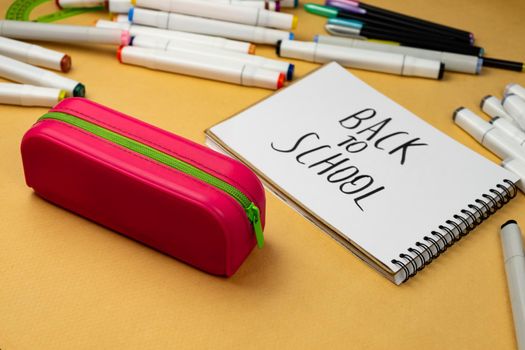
pixel 516 166
pixel 362 59
pixel 175 21
pixel 198 39
pixel 120 18
pixel 179 46
pixel 63 33
pixel 34 54
pixel 515 89
pixel 29 95
pixel 282 3
pixel 63 4
pixel 515 107
pixel 224 12
pixel 119 6
pixel 199 66
pixel 510 130
pixel 267 5
pixel 25 73
pixel 453 61
pixel 491 105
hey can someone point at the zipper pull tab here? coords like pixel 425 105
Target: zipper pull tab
pixel 254 215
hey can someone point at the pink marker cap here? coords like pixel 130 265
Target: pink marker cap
pixel 125 38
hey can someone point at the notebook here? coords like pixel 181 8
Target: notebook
pixel 381 181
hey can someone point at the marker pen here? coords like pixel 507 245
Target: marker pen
pixel 453 61
pixel 289 3
pixel 515 107
pixel 34 54
pixel 179 46
pixel 266 4
pixel 515 89
pixel 119 6
pixel 407 38
pixel 503 64
pixel 224 12
pixel 510 130
pixel 200 66
pixel 175 21
pixel 488 135
pixel 29 95
pixel 514 258
pixel 517 167
pixel 491 105
pixel 25 73
pixel 63 4
pixel 363 59
pixel 198 39
pixel 63 33
pixel 120 18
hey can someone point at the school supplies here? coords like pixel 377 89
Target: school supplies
pixel 515 89
pixel 387 62
pixel 382 182
pixel 29 95
pixel 150 185
pixel 207 67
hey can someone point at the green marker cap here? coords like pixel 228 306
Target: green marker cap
pixel 320 10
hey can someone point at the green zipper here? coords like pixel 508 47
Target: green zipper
pixel 249 207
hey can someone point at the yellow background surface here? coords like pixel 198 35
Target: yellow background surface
pixel 67 283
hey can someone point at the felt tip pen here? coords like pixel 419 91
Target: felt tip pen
pixel 453 61
pixel 34 54
pixel 282 3
pixel 120 18
pixel 514 257
pixel 503 64
pixel 515 107
pixel 119 6
pixel 63 33
pixel 63 4
pixel 491 105
pixel 179 46
pixel 510 130
pixel 488 135
pixel 345 32
pixel 517 167
pixel 199 25
pixel 200 66
pixel 406 37
pixel 224 12
pixel 29 95
pixel 408 20
pixel 267 5
pixel 372 21
pixel 198 39
pixel 25 73
pixel 362 59
pixel 515 89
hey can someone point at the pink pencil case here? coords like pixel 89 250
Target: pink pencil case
pixel 155 187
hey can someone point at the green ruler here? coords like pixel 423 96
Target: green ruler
pixel 21 9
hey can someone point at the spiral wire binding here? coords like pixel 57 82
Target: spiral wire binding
pixel 468 220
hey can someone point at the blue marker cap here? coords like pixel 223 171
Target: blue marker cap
pixel 291 37
pixel 289 73
pixel 130 14
pixel 346 23
pixel 479 66
pixel 316 38
pixel 296 3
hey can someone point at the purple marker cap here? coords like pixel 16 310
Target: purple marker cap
pixel 346 6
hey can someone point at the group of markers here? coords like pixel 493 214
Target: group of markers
pixel 193 37
pixel 372 38
pixel 504 134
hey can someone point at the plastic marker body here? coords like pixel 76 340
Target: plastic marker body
pixel 120 18
pixel 175 21
pixel 515 107
pixel 510 130
pixel 488 135
pixel 63 33
pixel 515 89
pixel 492 106
pixel 215 69
pixel 224 12
pixel 34 54
pixel 28 74
pixel 267 5
pixel 119 6
pixel 79 3
pixel 29 95
pixel 514 257
pixel 453 61
pixel 197 39
pixel 516 166
pixel 178 46
pixel 362 59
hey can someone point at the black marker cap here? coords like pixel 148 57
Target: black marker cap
pixel 493 120
pixel 456 112
pixel 278 47
pixel 508 223
pixel 441 71
pixel 483 101
pixel 505 97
